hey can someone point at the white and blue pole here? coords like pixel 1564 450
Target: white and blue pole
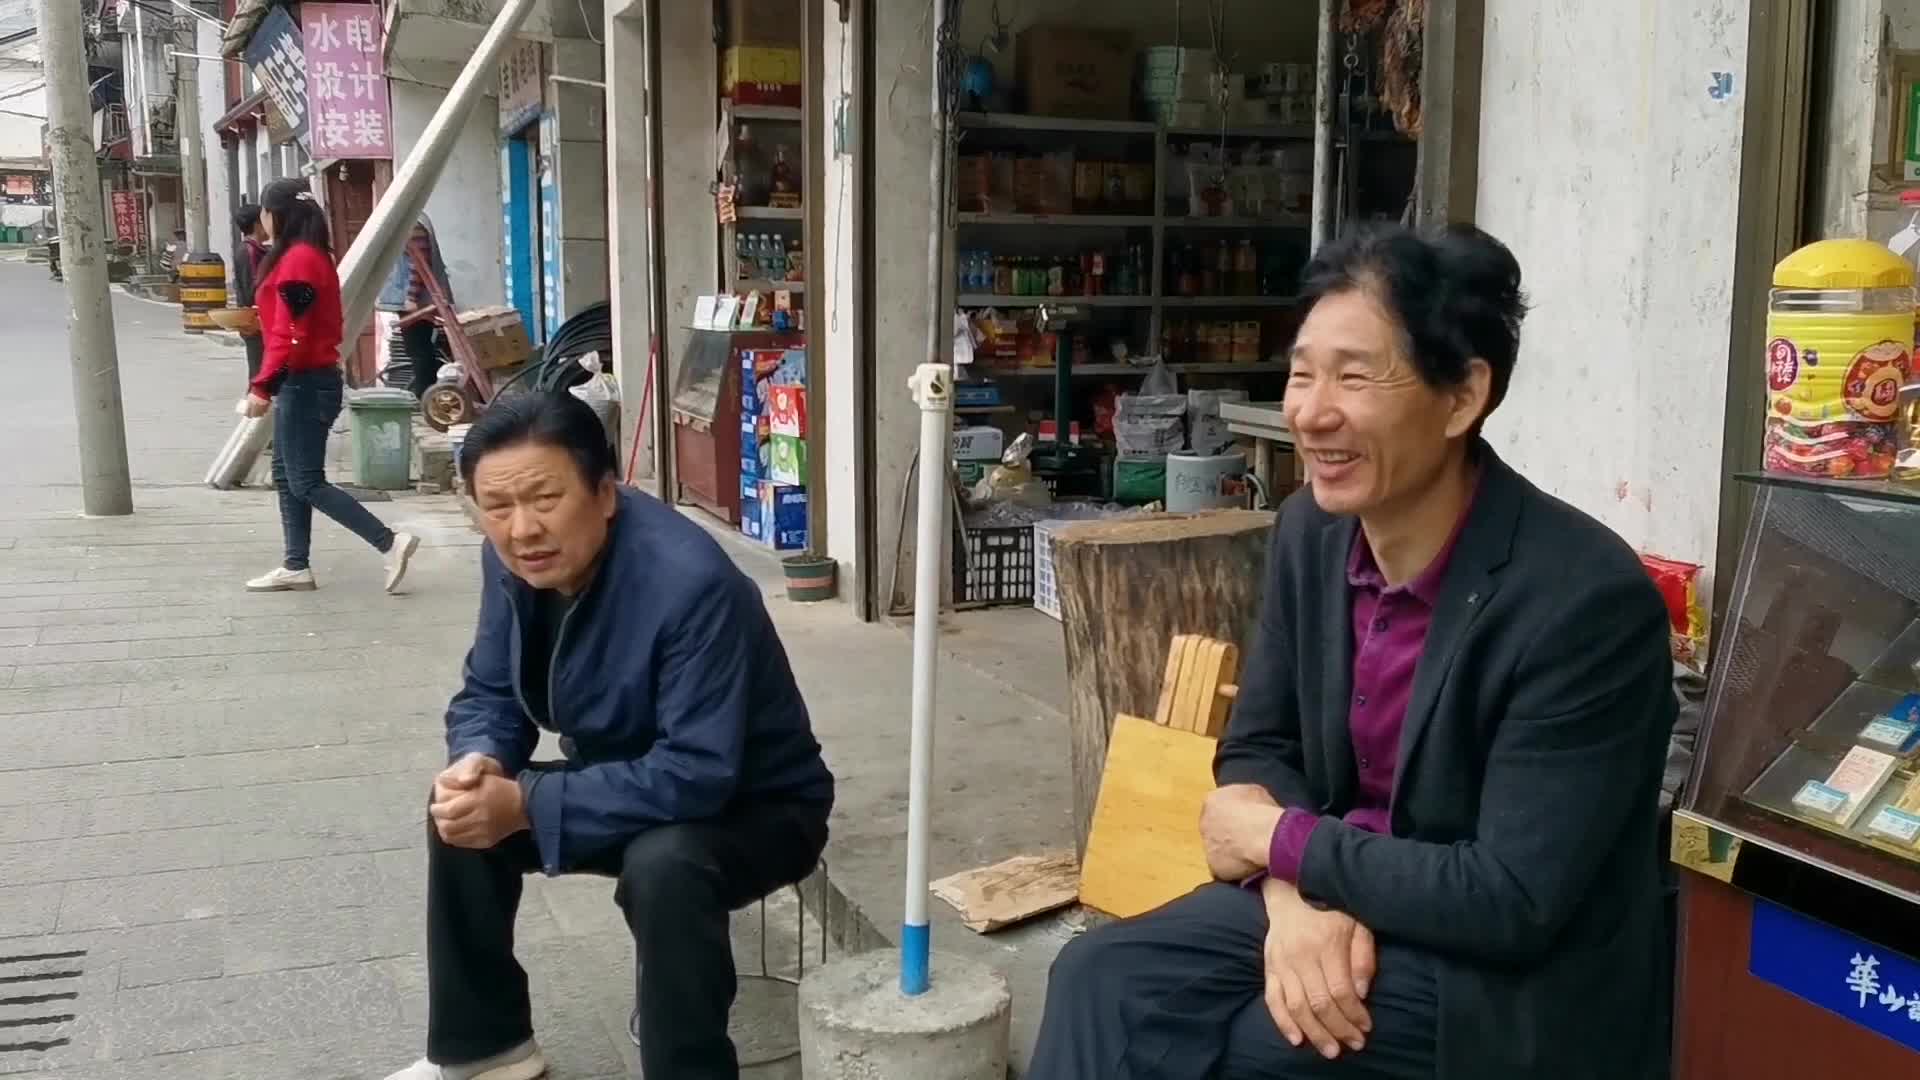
pixel 932 386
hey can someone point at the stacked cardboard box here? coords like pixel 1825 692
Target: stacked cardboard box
pixel 773 462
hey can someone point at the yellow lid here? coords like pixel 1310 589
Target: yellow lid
pixel 1843 264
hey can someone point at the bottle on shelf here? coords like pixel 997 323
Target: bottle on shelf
pixel 783 182
pixel 749 169
pixel 1246 268
pixel 1056 277
pixel 1002 276
pixel 1097 273
pixel 742 256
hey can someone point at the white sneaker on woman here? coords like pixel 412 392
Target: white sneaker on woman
pixel 283 580
pixel 404 545
pixel 523 1062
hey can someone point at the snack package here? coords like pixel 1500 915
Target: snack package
pixel 1679 584
pixel 1839 450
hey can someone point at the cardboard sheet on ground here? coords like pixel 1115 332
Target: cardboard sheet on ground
pixel 1011 891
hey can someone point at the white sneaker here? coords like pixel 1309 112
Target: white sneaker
pixel 283 580
pixel 404 545
pixel 523 1062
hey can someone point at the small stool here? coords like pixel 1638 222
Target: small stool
pixel 777 992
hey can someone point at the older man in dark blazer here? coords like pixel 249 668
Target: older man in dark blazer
pixel 1435 830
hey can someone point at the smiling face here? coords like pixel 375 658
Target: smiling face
pixel 1373 434
pixel 547 523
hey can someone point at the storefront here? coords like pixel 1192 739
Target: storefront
pixel 1799 878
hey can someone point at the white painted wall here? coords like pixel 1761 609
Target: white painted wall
pixel 1611 173
pixel 834 310
pixel 213 105
pixel 465 204
pixel 25 106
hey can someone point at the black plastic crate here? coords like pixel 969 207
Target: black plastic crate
pixel 996 567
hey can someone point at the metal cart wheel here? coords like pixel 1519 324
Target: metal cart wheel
pixel 445 405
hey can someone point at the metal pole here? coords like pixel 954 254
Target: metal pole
pixel 1324 94
pixel 932 386
pixel 192 143
pixel 104 483
pixel 364 268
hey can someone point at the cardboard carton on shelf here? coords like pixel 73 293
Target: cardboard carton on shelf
pixel 498 336
pixel 1076 71
pixel 775 23
pixel 758 75
pixel 787 406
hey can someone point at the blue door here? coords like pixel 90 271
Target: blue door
pixel 521 257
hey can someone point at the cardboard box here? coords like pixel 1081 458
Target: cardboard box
pixel 756 460
pixel 788 461
pixel 498 336
pixel 979 443
pixel 776 23
pixel 787 410
pixel 1076 71
pixel 777 517
pixel 757 75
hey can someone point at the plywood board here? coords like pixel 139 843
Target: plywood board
pixel 1144 847
pixel 1012 890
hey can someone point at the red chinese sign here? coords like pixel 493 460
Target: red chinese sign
pixel 349 113
pixel 129 220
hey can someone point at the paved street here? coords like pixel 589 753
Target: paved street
pixel 210 802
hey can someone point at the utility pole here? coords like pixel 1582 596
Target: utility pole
pixel 105 486
pixel 187 133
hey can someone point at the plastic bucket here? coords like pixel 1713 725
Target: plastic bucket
pixel 811 579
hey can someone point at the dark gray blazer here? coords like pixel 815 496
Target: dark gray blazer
pixel 1524 804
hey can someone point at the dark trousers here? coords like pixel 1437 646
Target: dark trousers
pixel 423 356
pixel 1179 994
pixel 677 885
pixel 304 410
pixel 256 350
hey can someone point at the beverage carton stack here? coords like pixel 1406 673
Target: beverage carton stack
pixel 773 447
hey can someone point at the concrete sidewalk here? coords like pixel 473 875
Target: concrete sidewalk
pixel 210 801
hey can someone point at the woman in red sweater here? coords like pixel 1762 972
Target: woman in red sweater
pixel 298 297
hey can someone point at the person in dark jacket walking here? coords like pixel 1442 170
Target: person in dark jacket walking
pixel 246 275
pixel 406 294
pixel 301 382
pixel 1435 833
pixel 691 775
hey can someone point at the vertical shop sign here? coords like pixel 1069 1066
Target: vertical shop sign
pixel 522 86
pixel 277 60
pixel 346 82
pixel 129 225
pixel 550 221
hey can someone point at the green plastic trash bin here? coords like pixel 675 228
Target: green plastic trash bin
pixel 382 438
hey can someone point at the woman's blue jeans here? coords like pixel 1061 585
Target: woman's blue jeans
pixel 303 414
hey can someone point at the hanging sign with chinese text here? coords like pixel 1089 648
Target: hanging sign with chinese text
pixel 129 220
pixel 280 64
pixel 1874 987
pixel 346 82
pixel 522 86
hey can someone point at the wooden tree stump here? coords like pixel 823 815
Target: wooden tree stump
pixel 1127 586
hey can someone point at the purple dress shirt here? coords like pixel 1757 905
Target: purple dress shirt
pixel 1389 634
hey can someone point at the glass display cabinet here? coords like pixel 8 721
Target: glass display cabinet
pixel 1800 828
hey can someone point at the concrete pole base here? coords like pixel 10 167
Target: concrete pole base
pixel 855 1024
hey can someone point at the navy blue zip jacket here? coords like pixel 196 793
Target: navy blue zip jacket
pixel 669 679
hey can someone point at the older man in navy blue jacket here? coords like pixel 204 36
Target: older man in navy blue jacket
pixel 691 773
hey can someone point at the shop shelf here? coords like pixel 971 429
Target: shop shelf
pixel 1229 301
pixel 996 300
pixel 783 113
pixel 1282 221
pixel 1117 221
pixel 1023 122
pixel 768 213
